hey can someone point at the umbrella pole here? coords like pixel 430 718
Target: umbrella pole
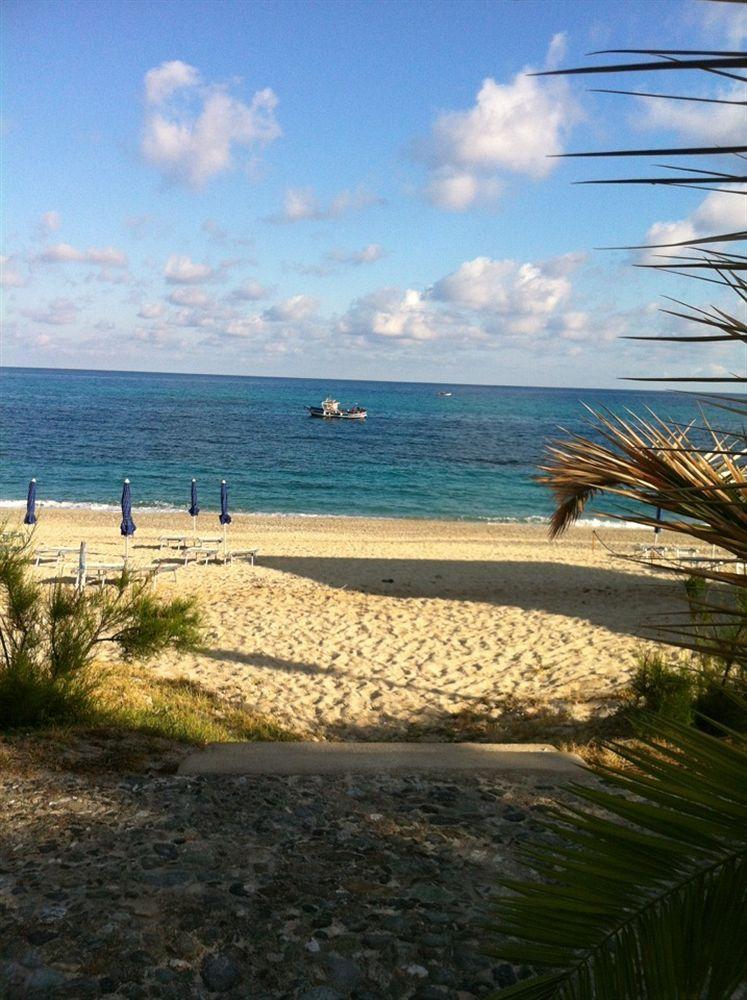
pixel 225 529
pixel 127 546
pixel 80 582
pixel 194 528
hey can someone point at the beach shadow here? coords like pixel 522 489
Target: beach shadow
pixel 607 597
pixel 489 719
pixel 267 662
pixel 507 720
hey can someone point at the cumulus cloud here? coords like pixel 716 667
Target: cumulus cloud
pixel 337 258
pixel 191 128
pixel 523 297
pixel 62 253
pixel 164 80
pixel 10 276
pixel 714 124
pixel 296 308
pixel 250 291
pixel 59 312
pixel 151 310
pixel 719 212
pixel 246 327
pixel 193 297
pixel 512 127
pixel 182 270
pixel 390 314
pixel 302 204
pixel 367 255
pixel 481 299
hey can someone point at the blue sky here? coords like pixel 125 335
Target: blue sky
pixel 339 189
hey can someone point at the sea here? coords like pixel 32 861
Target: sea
pixel 470 456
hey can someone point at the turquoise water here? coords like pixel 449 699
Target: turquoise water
pixel 470 456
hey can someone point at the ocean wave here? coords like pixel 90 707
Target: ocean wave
pixel 164 508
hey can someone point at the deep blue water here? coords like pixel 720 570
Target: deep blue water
pixel 470 456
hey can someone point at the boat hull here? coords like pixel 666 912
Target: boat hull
pixel 317 411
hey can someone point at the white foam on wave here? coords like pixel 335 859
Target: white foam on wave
pixel 163 508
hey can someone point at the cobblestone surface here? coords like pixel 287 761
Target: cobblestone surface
pixel 145 886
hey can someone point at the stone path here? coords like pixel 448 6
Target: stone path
pixel 311 888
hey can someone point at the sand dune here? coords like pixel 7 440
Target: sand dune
pixel 362 627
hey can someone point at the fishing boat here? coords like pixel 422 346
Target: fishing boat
pixel 331 410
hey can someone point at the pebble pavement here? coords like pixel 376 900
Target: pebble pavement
pixel 305 887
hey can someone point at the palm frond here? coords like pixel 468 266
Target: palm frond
pixel 652 867
pixel 656 464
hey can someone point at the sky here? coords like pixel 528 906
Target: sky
pixel 345 189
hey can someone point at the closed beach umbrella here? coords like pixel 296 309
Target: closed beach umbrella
pixel 659 522
pixel 30 517
pixel 127 527
pixel 224 517
pixel 194 507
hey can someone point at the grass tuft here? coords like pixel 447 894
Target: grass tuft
pixel 180 709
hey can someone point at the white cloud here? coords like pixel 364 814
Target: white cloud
pixel 62 253
pixel 193 297
pixel 164 80
pixel 181 270
pixel 721 24
pixel 151 310
pixel 480 300
pixel 556 50
pixel 367 255
pixel 523 297
pixel 59 312
pixel 719 212
pixel 10 276
pixel 191 129
pixel 302 204
pixel 390 314
pixel 246 327
pixel 296 308
pixel 250 291
pixel 50 222
pixel 336 259
pixel 512 127
pixel 714 124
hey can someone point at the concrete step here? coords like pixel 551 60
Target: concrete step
pixel 401 758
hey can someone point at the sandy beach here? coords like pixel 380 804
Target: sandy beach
pixel 361 628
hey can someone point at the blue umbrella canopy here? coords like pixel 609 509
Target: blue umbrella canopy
pixel 659 521
pixel 194 507
pixel 224 517
pixel 127 527
pixel 30 517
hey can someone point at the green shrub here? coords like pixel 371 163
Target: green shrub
pixel 50 637
pixel 719 703
pixel 665 687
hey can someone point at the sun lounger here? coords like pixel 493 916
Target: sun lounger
pixel 172 541
pixel 713 562
pixel 250 554
pixel 99 572
pixel 156 569
pixel 198 553
pixel 203 540
pixel 52 554
pixel 653 550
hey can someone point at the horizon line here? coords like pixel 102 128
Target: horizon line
pixel 304 378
